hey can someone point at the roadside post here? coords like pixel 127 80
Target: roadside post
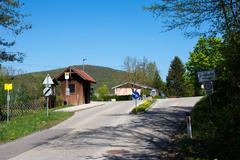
pixel 135 95
pixel 189 124
pixel 47 91
pixel 67 86
pixel 8 87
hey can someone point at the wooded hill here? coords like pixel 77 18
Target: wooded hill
pixel 103 75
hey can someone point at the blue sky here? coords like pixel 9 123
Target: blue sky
pixel 103 31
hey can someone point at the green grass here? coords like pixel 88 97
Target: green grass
pixel 216 131
pixel 29 123
pixel 142 107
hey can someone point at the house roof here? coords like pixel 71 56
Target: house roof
pixel 135 85
pixel 79 72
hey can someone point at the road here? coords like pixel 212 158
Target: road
pixel 106 132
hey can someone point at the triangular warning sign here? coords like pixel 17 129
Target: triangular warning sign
pixel 48 80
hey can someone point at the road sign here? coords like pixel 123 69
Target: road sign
pixel 135 95
pixel 205 76
pixel 48 80
pixel 208 86
pixel 66 75
pixel 47 92
pixel 8 86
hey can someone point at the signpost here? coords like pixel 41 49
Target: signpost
pixel 67 91
pixel 135 95
pixel 8 87
pixel 47 91
pixel 208 86
pixel 206 76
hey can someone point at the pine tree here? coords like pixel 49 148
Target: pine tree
pixel 158 83
pixel 175 78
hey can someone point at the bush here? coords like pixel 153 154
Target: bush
pixel 142 107
pixel 216 128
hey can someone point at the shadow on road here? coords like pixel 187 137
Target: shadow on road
pixel 146 136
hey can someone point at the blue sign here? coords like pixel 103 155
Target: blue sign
pixel 135 95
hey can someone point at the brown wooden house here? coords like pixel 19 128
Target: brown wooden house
pixel 79 84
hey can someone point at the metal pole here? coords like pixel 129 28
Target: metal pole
pixel 8 99
pixel 66 91
pixel 83 65
pixel 47 105
pixel 210 100
pixel 84 59
pixel 135 102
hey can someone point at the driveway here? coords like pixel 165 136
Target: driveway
pixel 106 132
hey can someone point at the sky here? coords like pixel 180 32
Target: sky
pixel 104 32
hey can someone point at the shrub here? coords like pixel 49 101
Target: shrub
pixel 142 107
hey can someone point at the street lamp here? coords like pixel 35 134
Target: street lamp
pixel 84 59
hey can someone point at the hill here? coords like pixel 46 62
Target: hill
pixel 103 75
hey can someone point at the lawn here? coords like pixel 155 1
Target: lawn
pixel 29 123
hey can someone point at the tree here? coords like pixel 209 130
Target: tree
pixel 102 92
pixel 11 21
pixel 221 16
pixel 158 83
pixel 142 71
pixel 217 16
pixel 132 67
pixel 175 78
pixel 207 54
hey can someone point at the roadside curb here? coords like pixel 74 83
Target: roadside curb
pixel 77 110
pixel 90 107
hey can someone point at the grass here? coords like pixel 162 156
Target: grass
pixel 216 131
pixel 29 123
pixel 142 107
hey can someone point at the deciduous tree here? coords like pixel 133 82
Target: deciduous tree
pixel 207 55
pixel 11 21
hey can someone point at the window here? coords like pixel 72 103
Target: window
pixel 72 88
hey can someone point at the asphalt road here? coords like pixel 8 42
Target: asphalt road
pixel 106 132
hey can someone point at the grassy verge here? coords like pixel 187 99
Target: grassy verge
pixel 29 123
pixel 142 107
pixel 216 131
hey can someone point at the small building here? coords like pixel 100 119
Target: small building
pixel 79 86
pixel 128 87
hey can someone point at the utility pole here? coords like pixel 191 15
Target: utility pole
pixel 84 59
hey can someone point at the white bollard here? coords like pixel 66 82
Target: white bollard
pixel 189 125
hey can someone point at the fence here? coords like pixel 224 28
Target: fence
pixel 21 109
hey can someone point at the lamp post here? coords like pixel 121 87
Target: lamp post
pixel 84 59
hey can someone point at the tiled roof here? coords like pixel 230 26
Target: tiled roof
pixel 83 74
pixel 132 84
pixel 79 72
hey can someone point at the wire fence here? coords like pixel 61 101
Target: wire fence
pixel 16 110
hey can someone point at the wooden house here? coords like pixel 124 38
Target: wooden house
pixel 76 87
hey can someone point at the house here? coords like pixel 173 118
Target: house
pixel 75 86
pixel 128 87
